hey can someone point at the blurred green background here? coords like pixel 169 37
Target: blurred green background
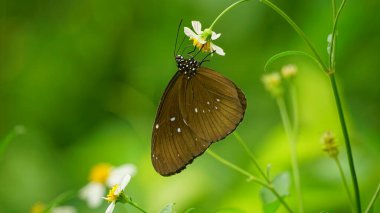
pixel 85 78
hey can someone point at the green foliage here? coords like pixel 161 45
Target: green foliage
pixel 282 184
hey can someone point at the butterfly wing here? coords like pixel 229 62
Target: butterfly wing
pixel 174 144
pixel 193 113
pixel 212 105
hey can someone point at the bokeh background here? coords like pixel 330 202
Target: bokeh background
pixel 84 78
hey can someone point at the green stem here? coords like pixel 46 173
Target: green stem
pixel 136 206
pixel 373 200
pixel 293 97
pixel 251 156
pixel 293 149
pixel 297 29
pixel 224 11
pixel 347 141
pixel 345 184
pixel 250 177
pixel 332 52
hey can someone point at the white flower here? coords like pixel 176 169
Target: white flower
pixel 92 193
pixel 102 176
pixel 64 209
pixel 201 39
pixel 115 194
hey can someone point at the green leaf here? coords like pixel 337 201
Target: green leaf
pixel 288 53
pixel 189 210
pixel 17 130
pixel 169 208
pixel 230 210
pixel 282 184
pixel 60 199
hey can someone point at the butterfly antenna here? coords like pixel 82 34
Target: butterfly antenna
pixel 180 45
pixel 204 59
pixel 176 38
pixel 200 50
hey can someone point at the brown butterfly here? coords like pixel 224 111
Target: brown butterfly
pixel 198 107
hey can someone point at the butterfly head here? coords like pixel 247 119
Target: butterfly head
pixel 187 66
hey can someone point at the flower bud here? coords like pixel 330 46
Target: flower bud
pixel 272 83
pixel 329 144
pixel 288 71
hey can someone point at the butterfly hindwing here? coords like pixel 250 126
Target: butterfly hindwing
pixel 211 105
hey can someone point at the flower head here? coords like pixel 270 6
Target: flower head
pixel 272 83
pixel 288 71
pixel 202 39
pixel 116 193
pixel 329 144
pixel 102 176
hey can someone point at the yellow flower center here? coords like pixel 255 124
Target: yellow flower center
pixel 111 197
pixel 99 173
pixel 38 208
pixel 203 47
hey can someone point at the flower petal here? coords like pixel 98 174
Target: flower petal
pixel 189 32
pixel 92 193
pixel 215 36
pixel 117 174
pixel 124 182
pixel 217 49
pixel 64 209
pixel 197 26
pixel 110 208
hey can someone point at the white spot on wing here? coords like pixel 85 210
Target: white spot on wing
pixel 157 126
pixel 216 107
pixel 208 103
pixel 196 110
pixel 172 119
pixel 178 129
pixel 185 122
pixel 218 100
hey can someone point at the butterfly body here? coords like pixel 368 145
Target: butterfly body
pixel 199 107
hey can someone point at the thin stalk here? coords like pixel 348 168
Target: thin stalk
pixel 345 184
pixel 136 206
pixel 251 156
pixel 373 200
pixel 335 25
pixel 250 177
pixel 224 11
pixel 298 30
pixel 293 149
pixel 293 97
pixel 347 141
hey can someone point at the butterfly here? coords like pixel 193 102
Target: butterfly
pixel 199 107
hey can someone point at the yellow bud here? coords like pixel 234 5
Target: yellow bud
pixel 288 71
pixel 272 83
pixel 329 144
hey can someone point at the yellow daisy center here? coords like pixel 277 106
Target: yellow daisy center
pixel 38 208
pixel 203 47
pixel 99 173
pixel 111 196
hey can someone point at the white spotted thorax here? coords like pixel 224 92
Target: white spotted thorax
pixel 187 66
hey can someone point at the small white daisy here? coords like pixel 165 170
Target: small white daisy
pixel 102 176
pixel 202 39
pixel 116 193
